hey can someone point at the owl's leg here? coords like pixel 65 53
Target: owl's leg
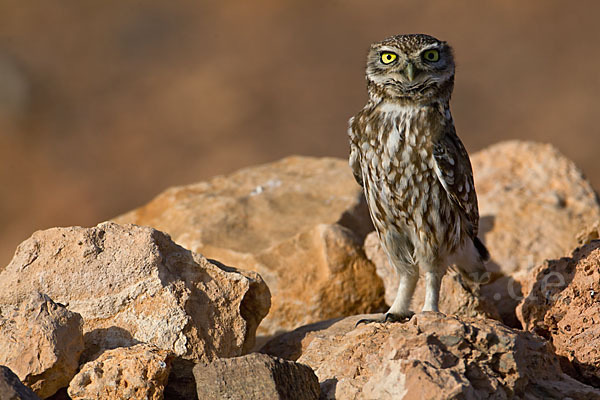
pixel 433 281
pixel 400 309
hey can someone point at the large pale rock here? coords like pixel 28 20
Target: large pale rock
pixel 299 222
pixel 40 341
pixel 436 357
pixel 133 284
pixel 255 377
pixel 328 276
pixel 11 388
pixel 137 372
pixel 457 295
pixel 562 303
pixel 291 345
pixel 533 203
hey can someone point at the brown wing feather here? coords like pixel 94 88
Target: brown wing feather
pixel 456 175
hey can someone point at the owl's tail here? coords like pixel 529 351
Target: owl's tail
pixel 484 254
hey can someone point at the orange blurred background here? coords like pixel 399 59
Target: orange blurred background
pixel 105 104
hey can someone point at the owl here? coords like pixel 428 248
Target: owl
pixel 415 171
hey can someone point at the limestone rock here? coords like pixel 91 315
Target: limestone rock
pixel 11 388
pixel 137 372
pixel 255 377
pixel 40 341
pixel 385 271
pixel 505 293
pixel 562 303
pixel 533 203
pixel 328 275
pixel 256 208
pixel 457 296
pixel 291 345
pixel 437 357
pixel 592 232
pixel 299 222
pixel 133 284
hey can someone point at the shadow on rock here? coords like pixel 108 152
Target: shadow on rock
pixel 99 340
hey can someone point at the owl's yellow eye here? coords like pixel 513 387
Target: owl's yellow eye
pixel 388 57
pixel 431 55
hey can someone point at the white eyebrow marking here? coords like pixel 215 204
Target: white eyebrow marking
pixel 389 48
pixel 432 46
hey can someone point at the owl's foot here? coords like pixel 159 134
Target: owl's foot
pixel 388 317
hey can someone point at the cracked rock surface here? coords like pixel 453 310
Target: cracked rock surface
pixel 432 356
pixel 133 285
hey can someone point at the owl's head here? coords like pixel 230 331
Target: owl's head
pixel 415 67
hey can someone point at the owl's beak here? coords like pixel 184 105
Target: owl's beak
pixel 410 72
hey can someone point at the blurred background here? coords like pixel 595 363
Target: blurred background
pixel 104 104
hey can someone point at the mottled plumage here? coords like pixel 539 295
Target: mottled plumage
pixel 415 171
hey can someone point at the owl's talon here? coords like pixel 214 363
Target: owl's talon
pixel 368 321
pixel 388 317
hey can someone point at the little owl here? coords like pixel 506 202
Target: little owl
pixel 414 169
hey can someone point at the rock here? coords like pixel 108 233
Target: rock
pixel 378 257
pixel 255 377
pixel 433 356
pixel 328 276
pixel 137 372
pixel 11 387
pixel 533 203
pixel 299 222
pixel 41 341
pixel 134 285
pixel 562 303
pixel 457 296
pixel 62 394
pixel 181 384
pixel 592 232
pixel 506 293
pixel 291 345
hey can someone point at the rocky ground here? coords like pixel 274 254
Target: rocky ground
pixel 249 286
